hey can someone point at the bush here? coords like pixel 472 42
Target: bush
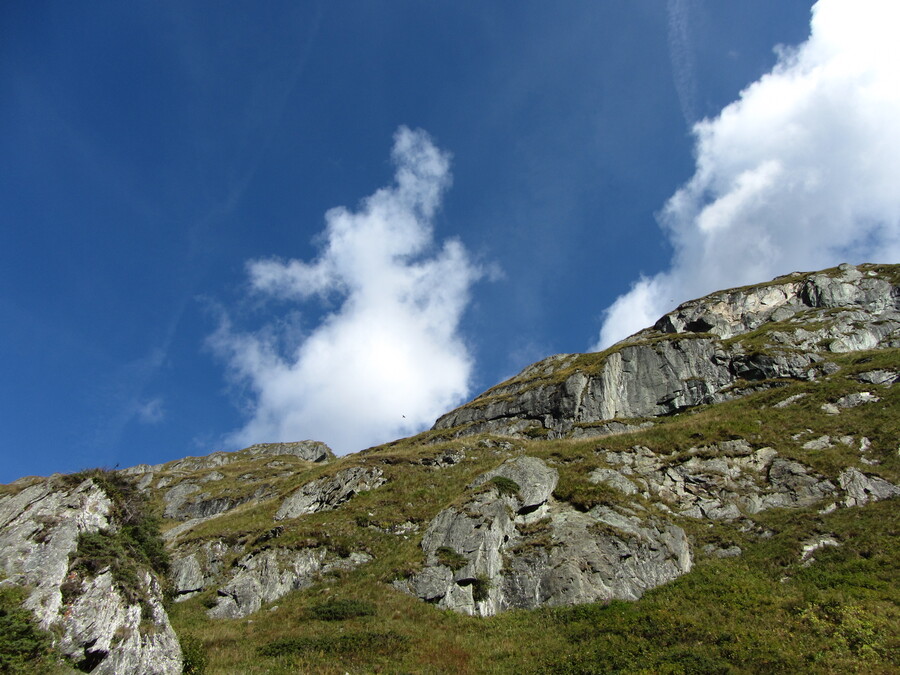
pixel 449 557
pixel 102 550
pixel 24 648
pixel 481 586
pixel 338 610
pixel 194 655
pixel 136 544
pixel 505 486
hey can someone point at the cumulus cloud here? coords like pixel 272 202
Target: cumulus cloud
pixel 800 173
pixel 388 360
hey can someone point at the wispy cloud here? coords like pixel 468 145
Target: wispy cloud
pixel 389 359
pixel 799 173
pixel 150 412
pixel 681 57
pixel 119 398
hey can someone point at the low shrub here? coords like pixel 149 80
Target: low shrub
pixel 505 486
pixel 24 648
pixel 339 610
pixel 137 543
pixel 449 557
pixel 193 654
pixel 481 586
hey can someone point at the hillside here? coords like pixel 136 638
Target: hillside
pixel 713 494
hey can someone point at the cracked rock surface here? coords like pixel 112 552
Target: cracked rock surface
pixel 95 623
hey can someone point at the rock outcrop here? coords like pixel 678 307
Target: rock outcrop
pixel 327 493
pixel 268 575
pixel 706 351
pixel 311 451
pixel 244 581
pixel 511 545
pixel 99 625
pixel 148 475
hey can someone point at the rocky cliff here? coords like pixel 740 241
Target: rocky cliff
pixel 751 416
pixel 76 543
pixel 706 351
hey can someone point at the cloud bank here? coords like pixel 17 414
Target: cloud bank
pixel 389 359
pixel 800 173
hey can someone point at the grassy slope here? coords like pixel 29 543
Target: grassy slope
pixel 761 612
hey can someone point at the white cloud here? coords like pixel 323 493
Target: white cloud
pixel 801 172
pixel 389 360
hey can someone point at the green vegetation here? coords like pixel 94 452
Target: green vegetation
pixel 575 488
pixel 24 648
pixel 356 643
pixel 133 546
pixel 193 654
pixel 481 586
pixel 447 556
pixel 505 486
pixel 341 609
pixel 770 609
pixel 762 612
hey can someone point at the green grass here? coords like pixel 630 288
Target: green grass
pixel 762 612
pixel 341 609
pixel 450 558
pixel 505 486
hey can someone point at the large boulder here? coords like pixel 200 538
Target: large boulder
pixel 483 557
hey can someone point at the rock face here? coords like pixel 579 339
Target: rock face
pixel 195 490
pixel 185 501
pixel 270 574
pixel 706 351
pixel 200 568
pixel 311 451
pixel 327 493
pixel 511 545
pixel 253 578
pixel 247 576
pixel 737 479
pixel 97 626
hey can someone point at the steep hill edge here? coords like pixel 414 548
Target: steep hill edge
pixel 706 351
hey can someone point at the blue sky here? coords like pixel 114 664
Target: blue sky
pixel 237 222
